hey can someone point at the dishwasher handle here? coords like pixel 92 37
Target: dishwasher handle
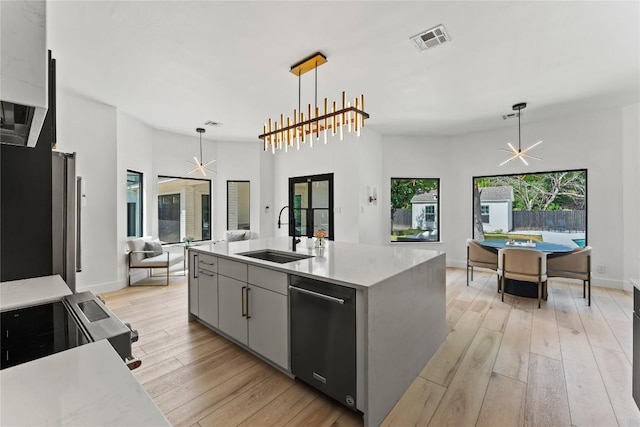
pixel 317 295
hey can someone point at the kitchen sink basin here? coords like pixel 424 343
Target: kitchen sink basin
pixel 275 256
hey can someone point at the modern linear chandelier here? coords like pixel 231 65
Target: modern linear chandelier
pixel 305 128
pixel 199 165
pixel 519 153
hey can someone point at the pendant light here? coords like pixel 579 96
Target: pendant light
pixel 519 153
pixel 199 165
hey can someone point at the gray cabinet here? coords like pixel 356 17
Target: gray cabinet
pixel 208 297
pixel 232 308
pixel 268 324
pixel 193 283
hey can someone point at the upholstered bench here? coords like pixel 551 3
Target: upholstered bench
pixel 144 252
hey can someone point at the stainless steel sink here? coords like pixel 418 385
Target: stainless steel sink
pixel 275 256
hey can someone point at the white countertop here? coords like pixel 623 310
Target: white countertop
pixel 83 386
pixel 339 262
pixel 25 292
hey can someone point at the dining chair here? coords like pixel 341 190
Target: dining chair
pixel 573 265
pixel 479 256
pixel 526 265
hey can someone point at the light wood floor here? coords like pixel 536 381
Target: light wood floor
pixel 502 364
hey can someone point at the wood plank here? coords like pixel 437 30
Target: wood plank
pixel 281 410
pixel 463 399
pixel 204 404
pixel 623 331
pixel 444 364
pixel 184 373
pixel 202 384
pixel 585 389
pixel 503 403
pixel 349 418
pixel 546 402
pixel 251 401
pixel 417 405
pixel 497 315
pixel 624 299
pixel 566 312
pixel 597 329
pixel 609 308
pixel 145 374
pixel 617 375
pixel 544 331
pixel 513 356
pixel 322 412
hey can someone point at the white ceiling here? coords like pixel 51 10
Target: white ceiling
pixel 176 64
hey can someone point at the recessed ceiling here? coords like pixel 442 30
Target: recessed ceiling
pixel 176 64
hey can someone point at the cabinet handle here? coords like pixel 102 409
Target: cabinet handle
pixel 244 314
pixel 317 295
pixel 205 273
pixel 208 263
pixel 195 270
pixel 248 315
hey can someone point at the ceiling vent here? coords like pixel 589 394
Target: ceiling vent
pixel 212 124
pixel 430 38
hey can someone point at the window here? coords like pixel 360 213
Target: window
pixel 134 204
pixel 415 210
pixel 542 206
pixel 184 209
pixel 311 202
pixel 484 211
pixel 238 205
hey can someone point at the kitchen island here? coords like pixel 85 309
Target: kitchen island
pixel 400 306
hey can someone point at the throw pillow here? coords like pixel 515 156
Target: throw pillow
pixel 156 247
pixel 236 235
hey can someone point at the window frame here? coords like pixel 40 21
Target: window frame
pixel 437 207
pixel 140 201
pixel 309 179
pixel 230 181
pixel 208 181
pixel 586 192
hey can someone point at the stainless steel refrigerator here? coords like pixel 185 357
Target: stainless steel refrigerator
pixel 66 208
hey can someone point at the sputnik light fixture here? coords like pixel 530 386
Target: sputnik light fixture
pixel 519 153
pixel 304 129
pixel 199 165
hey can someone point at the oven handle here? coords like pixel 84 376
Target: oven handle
pixel 317 295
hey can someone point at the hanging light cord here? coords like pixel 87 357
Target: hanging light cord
pixel 519 131
pixel 201 158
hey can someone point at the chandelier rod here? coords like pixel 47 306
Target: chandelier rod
pixel 519 131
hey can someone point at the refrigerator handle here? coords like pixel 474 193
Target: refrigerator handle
pixel 78 224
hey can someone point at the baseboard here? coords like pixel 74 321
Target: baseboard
pixel 103 287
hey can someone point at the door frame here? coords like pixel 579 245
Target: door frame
pixel 310 179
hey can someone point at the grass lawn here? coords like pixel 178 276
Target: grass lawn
pixel 505 236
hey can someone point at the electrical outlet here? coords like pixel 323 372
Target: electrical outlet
pixel 602 269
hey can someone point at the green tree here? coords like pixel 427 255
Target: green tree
pixel 403 190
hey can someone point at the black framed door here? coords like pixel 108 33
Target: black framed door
pixel 311 204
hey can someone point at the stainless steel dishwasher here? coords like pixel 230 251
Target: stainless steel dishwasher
pixel 323 337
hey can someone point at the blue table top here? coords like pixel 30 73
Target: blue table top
pixel 539 246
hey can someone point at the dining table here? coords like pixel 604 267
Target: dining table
pixel 517 287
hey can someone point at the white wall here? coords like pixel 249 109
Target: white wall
pixel 631 192
pixel 134 145
pixel 419 157
pixel 593 141
pixel 354 163
pixel 89 129
pixel 238 161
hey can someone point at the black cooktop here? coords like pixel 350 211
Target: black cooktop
pixel 38 331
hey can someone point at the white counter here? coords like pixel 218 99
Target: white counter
pixel 25 292
pixel 87 385
pixel 342 263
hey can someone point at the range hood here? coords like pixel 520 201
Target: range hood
pixel 23 71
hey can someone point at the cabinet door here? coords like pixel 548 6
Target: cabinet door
pixel 193 282
pixel 208 297
pixel 268 314
pixel 232 308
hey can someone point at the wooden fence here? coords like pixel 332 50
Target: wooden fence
pixel 569 221
pixel 402 218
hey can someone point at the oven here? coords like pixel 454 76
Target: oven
pixel 37 331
